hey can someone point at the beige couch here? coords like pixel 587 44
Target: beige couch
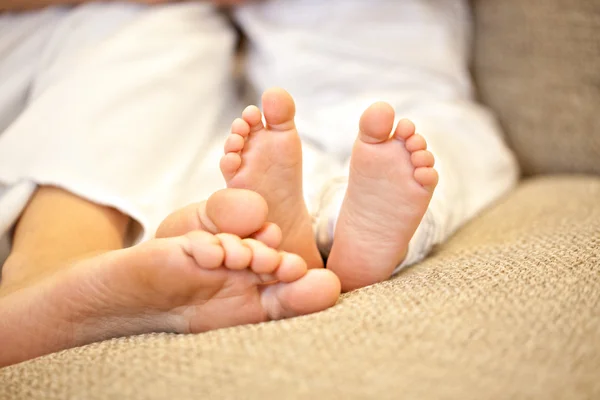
pixel 508 308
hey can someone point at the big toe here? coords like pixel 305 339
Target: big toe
pixel 237 211
pixel 318 290
pixel 376 123
pixel 278 108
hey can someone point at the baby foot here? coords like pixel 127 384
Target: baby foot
pixel 186 284
pixel 390 185
pixel 268 160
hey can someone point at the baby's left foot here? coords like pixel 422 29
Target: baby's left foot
pixel 268 160
pixel 390 185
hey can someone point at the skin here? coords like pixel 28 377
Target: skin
pixel 267 158
pixel 58 228
pixel 75 228
pixel 190 279
pixel 390 184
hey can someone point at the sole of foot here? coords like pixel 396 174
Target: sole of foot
pixel 267 158
pixel 390 185
pixel 190 283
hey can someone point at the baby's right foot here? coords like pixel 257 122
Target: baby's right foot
pixel 268 160
pixel 390 185
pixel 187 284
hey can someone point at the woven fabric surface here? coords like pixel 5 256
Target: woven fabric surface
pixel 508 308
pixel 537 64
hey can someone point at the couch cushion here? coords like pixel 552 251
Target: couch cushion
pixel 537 64
pixel 509 307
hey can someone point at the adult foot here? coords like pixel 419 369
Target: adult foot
pixel 237 211
pixel 390 185
pixel 187 284
pixel 268 159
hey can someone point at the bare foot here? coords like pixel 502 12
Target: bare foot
pixel 187 284
pixel 225 211
pixel 268 160
pixel 390 185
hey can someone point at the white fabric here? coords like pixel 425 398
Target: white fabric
pixel 127 105
pixel 118 103
pixel 338 56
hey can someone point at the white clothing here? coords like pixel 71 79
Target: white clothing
pixel 117 103
pixel 144 93
pixel 336 57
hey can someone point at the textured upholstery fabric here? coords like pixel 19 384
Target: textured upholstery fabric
pixel 508 308
pixel 537 64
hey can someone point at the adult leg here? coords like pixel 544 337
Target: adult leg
pixel 113 106
pixel 337 57
pixel 76 228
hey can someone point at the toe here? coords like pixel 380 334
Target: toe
pixel 240 127
pixel 253 117
pixel 237 255
pixel 405 129
pixel 270 234
pixel 205 248
pixel 265 260
pixel 237 211
pixel 416 142
pixel 376 123
pixel 422 158
pixel 279 109
pixel 318 290
pixel 426 177
pixel 187 219
pixel 230 164
pixel 291 268
pixel 234 143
